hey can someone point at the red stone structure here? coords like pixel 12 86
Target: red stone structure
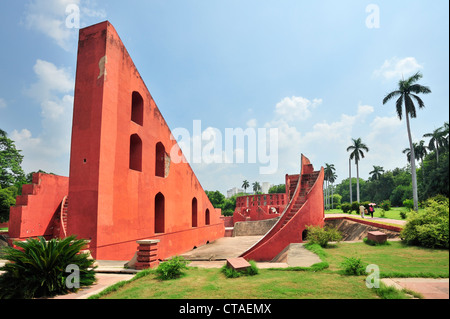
pixel 123 185
pixel 128 192
pixel 259 207
pixel 305 208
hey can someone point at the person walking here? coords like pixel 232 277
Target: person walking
pixel 371 210
pixel 361 210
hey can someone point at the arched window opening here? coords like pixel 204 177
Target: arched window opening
pixel 194 212
pixel 159 213
pixel 207 220
pixel 160 160
pixel 135 153
pixel 137 108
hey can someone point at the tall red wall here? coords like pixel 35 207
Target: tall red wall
pixel 34 210
pixel 112 193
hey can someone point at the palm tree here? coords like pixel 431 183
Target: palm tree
pixel 245 185
pixel 420 151
pixel 446 134
pixel 328 174
pixel 332 180
pixel 406 92
pixel 350 178
pixel 407 151
pixel 357 153
pixel 437 140
pixel 256 187
pixel 377 172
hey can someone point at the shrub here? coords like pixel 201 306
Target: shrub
pixel 430 227
pixel 375 243
pixel 233 273
pixel 385 205
pixel 355 207
pixel 353 266
pixel 322 235
pixel 346 208
pixel 403 214
pixel 40 268
pixel 408 203
pixel 172 268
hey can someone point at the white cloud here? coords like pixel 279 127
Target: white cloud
pixel 2 103
pixel 49 149
pixel 396 68
pixel 296 108
pixel 51 79
pixel 49 17
pixel 323 142
pixel 252 123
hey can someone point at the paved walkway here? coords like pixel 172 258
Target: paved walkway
pixel 429 288
pixel 375 219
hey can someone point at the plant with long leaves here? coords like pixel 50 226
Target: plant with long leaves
pixel 38 268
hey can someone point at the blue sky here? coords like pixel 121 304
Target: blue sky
pixel 315 70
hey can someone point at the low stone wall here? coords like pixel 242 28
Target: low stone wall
pixel 352 230
pixel 253 228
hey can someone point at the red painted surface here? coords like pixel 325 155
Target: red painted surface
pixel 304 209
pixel 259 207
pixel 124 184
pixel 35 209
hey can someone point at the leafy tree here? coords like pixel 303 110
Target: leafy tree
pixel 7 199
pixel 406 92
pixel 278 189
pixel 216 198
pixel 435 176
pixel 10 162
pixel 357 153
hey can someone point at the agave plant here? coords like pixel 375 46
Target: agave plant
pixel 39 268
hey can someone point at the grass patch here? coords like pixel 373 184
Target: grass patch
pixel 268 284
pixel 394 260
pixel 233 273
pixel 323 280
pixel 393 213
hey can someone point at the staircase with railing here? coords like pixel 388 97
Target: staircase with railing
pixel 305 208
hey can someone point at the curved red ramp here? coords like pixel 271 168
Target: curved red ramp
pixel 305 208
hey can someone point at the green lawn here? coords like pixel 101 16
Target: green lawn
pixel 201 283
pixel 393 213
pixel 395 259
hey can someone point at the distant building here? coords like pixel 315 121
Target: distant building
pixel 233 191
pixel 265 187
